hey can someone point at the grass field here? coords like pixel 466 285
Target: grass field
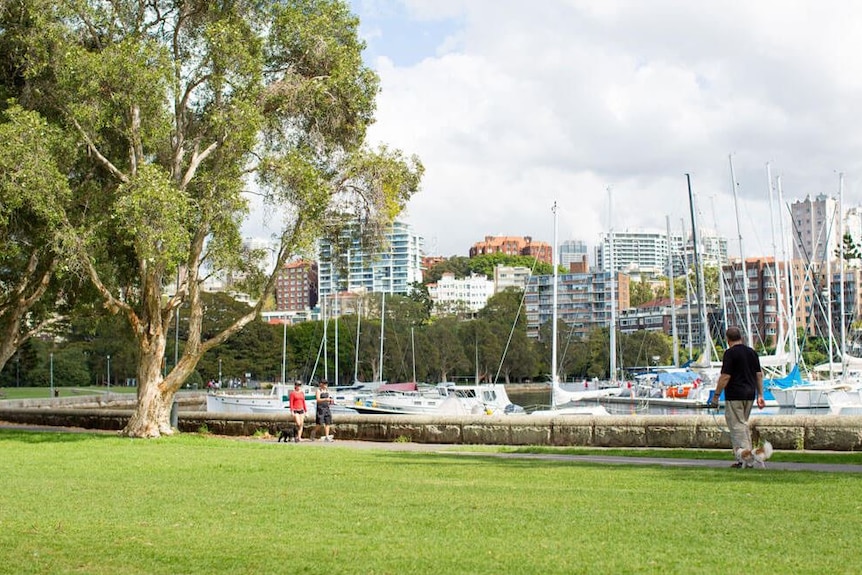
pixel 38 392
pixel 99 504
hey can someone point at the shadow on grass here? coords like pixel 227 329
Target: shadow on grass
pixel 726 475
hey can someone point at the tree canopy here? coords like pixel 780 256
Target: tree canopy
pixel 157 121
pixel 462 266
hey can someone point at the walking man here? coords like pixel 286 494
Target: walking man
pixel 741 380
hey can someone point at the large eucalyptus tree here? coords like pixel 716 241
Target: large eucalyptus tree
pixel 176 110
pixel 33 192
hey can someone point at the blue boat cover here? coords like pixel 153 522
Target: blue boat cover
pixel 677 377
pixel 789 380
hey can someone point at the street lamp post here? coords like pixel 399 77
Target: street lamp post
pixel 52 374
pixel 219 372
pixel 284 351
pixel 109 372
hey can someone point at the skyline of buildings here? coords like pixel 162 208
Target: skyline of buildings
pixel 638 254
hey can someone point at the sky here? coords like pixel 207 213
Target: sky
pixel 604 106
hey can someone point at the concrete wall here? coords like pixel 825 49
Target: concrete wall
pixel 823 432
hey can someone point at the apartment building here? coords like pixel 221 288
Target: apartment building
pixel 583 300
pixel 815 228
pixel 346 266
pixel 296 286
pixel 510 277
pixel 572 251
pixel 640 250
pixel 658 315
pixel 765 298
pixel 451 295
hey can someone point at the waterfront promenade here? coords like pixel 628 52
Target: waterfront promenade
pixel 699 430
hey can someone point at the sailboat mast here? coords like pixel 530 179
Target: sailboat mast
pixel 382 320
pixel 687 297
pixel 413 350
pixel 335 316
pixel 788 298
pixel 776 277
pixel 673 334
pixel 284 350
pixel 358 324
pixel 749 334
pixel 722 296
pixel 701 287
pixel 613 298
pixel 554 375
pixel 841 271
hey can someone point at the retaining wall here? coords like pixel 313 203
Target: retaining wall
pixel 822 432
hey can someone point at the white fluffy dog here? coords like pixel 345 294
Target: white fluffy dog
pixel 756 456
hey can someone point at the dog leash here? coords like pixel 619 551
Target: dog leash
pixel 713 412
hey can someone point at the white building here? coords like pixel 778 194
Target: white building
pixel 392 270
pixel 510 276
pixel 452 295
pixel 711 251
pixel 642 249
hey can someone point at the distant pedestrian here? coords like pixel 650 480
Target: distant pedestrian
pixel 298 409
pixel 324 413
pixel 741 380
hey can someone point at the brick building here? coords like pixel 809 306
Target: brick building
pixel 513 246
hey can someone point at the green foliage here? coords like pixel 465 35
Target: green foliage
pixel 153 217
pixel 32 184
pixel 459 266
pixel 640 292
pixel 33 195
pixel 419 294
pixel 848 250
pixel 194 381
pixel 462 267
pixel 485 264
pixel 711 277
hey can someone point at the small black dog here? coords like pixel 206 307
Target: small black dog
pixel 287 434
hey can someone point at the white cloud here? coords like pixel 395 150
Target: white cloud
pixel 512 105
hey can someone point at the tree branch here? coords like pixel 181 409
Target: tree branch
pixel 195 162
pixel 105 161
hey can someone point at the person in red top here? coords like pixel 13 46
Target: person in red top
pixel 298 409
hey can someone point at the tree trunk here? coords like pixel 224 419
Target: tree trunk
pixel 9 327
pixel 151 417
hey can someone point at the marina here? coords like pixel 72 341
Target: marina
pixel 532 398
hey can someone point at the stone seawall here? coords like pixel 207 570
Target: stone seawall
pixel 838 433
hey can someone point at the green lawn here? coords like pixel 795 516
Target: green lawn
pixel 101 504
pixel 37 392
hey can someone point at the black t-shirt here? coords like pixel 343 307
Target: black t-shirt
pixel 742 364
pixel 323 406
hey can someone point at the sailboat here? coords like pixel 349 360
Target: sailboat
pixel 565 402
